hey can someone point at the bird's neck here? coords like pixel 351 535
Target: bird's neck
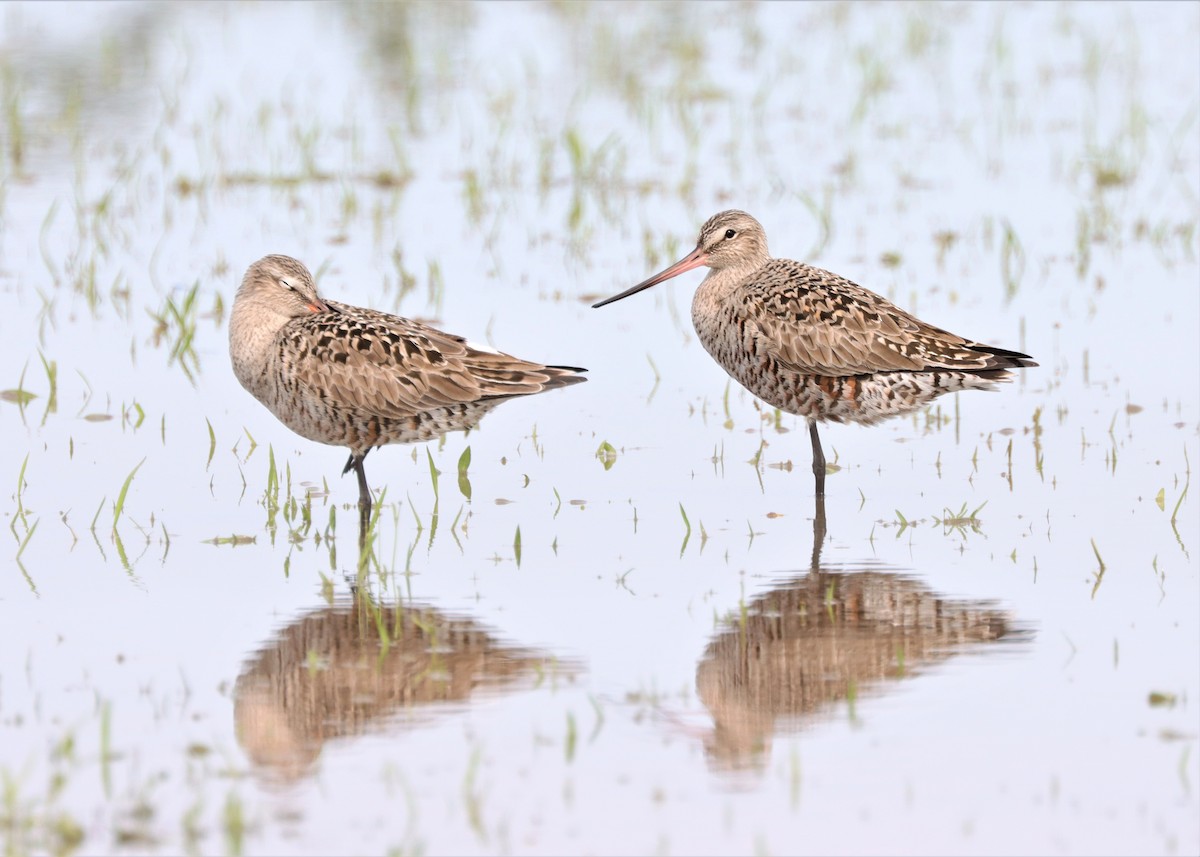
pixel 719 283
pixel 710 306
pixel 253 328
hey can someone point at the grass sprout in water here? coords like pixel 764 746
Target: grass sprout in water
pixel 283 676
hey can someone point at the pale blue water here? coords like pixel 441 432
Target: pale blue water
pixel 516 163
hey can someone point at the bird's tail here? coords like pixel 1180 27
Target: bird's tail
pixel 1002 358
pixel 563 376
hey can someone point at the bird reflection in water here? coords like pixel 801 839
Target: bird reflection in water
pixel 356 667
pixel 827 636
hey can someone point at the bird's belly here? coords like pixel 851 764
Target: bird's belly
pixel 866 398
pixel 319 417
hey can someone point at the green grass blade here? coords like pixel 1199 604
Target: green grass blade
pixel 119 506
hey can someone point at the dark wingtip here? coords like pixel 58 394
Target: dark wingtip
pixel 1005 359
pixel 570 375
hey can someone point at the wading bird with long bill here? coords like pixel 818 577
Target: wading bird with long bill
pixel 816 345
pixel 360 378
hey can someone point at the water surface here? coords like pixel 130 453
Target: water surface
pixel 626 628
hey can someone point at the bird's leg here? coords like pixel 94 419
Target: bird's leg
pixel 818 532
pixel 818 458
pixel 364 492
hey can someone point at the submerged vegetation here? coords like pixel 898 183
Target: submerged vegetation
pixel 233 665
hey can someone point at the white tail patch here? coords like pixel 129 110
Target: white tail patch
pixel 486 349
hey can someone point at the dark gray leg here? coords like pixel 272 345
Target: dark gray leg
pixel 364 492
pixel 818 532
pixel 818 459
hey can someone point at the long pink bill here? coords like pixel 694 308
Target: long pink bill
pixel 692 260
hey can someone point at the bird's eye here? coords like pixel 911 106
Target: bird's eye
pixel 729 233
pixel 286 284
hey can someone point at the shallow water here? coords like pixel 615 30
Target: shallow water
pixel 995 649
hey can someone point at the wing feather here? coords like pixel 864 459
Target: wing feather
pixel 389 366
pixel 815 322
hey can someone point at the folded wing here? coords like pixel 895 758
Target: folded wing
pixel 815 322
pixel 393 367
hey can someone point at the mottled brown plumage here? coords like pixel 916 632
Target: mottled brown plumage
pixel 382 667
pixel 815 344
pixel 796 651
pixel 360 378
